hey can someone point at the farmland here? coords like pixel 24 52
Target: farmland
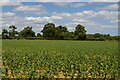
pixel 59 59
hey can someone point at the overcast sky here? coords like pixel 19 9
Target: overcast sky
pixel 97 17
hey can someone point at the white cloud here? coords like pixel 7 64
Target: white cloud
pixel 5 0
pixel 43 19
pixel 56 18
pixel 77 0
pixel 43 0
pixel 115 21
pixel 38 19
pixel 90 19
pixel 69 4
pixel 37 9
pixel 10 4
pixel 108 26
pixel 107 14
pixel 64 15
pixel 9 18
pixel 60 0
pixel 111 7
pixel 89 14
pixel 8 14
pixel 61 4
pixel 34 8
pixel 20 0
pixel 103 0
pixel 81 20
pixel 85 16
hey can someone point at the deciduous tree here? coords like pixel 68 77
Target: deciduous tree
pixel 27 32
pixel 80 32
pixel 12 31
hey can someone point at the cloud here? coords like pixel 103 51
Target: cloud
pixel 18 6
pixel 77 5
pixel 39 9
pixel 89 14
pixel 61 4
pixel 56 18
pixel 92 20
pixel 85 17
pixel 62 0
pixel 108 26
pixel 69 4
pixel 111 7
pixel 5 0
pixel 8 14
pixel 77 15
pixel 115 21
pixel 10 3
pixel 65 15
pixel 81 20
pixel 107 15
pixel 9 18
pixel 43 19
pixel 44 0
pixel 77 0
pixel 103 0
pixel 20 0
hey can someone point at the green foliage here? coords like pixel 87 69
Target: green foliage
pixel 69 36
pixel 59 59
pixel 97 35
pixel 61 32
pixel 39 35
pixel 27 32
pixel 80 32
pixel 4 33
pixel 12 31
pixel 50 31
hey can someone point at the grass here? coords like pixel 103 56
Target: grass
pixel 59 59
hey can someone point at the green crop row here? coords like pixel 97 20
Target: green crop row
pixel 59 59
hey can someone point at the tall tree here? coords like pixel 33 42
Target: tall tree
pixel 4 33
pixel 12 31
pixel 49 31
pixel 80 32
pixel 61 32
pixel 27 32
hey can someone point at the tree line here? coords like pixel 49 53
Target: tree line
pixel 51 32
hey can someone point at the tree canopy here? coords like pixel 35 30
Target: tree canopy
pixel 27 32
pixel 51 31
pixel 12 31
pixel 80 32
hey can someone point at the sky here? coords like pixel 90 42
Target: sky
pixel 97 17
pixel 60 0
